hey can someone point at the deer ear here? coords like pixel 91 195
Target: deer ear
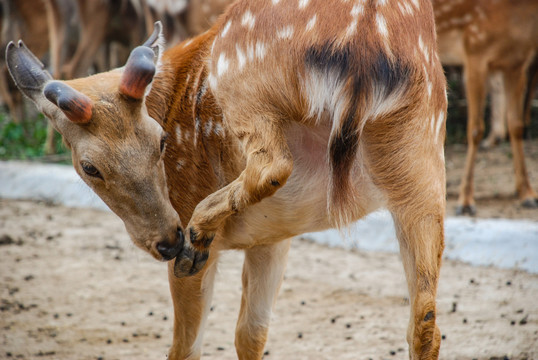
pixel 27 71
pixel 74 104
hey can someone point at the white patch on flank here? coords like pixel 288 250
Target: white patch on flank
pixel 208 128
pixel 406 8
pixel 303 3
pixel 381 25
pixel 222 65
pixel 212 81
pixel 178 134
pixel 432 123
pixel 311 23
pixel 440 122
pixel 416 3
pixel 187 43
pixel 324 91
pixel 424 49
pixel 381 2
pixel 285 32
pixel 275 2
pixel 429 88
pixel 261 50
pixel 248 19
pixel 351 28
pixel 218 130
pixel 381 104
pixel 357 9
pixel 226 28
pixel 241 58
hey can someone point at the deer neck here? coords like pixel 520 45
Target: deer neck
pixel 200 154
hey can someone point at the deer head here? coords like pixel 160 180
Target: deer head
pixel 117 148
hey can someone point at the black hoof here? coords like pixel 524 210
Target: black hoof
pixel 200 241
pixel 465 209
pixel 530 203
pixel 189 262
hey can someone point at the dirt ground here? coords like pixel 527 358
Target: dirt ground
pixel 72 286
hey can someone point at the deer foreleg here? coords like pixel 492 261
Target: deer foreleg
pixel 263 271
pixel 192 301
pixel 268 166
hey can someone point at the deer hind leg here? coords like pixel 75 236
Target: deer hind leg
pixel 421 246
pixel 475 77
pixel 263 271
pixel 192 301
pixel 515 84
pixel 268 165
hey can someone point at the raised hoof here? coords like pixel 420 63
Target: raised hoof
pixel 530 203
pixel 200 241
pixel 189 262
pixel 465 209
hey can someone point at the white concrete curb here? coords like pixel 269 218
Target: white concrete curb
pixel 496 242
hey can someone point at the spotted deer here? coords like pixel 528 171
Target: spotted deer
pixel 285 117
pixel 489 37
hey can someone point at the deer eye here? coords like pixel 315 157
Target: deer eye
pixel 90 169
pixel 163 142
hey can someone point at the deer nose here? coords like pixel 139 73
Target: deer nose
pixel 171 250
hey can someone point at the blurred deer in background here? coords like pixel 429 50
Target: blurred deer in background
pixel 285 117
pixel 492 37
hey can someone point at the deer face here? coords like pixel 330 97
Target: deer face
pixel 117 148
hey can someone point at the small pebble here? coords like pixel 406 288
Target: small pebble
pixel 300 335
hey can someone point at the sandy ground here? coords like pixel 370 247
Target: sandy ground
pixel 72 286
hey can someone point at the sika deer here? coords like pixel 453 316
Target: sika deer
pixel 285 117
pixel 491 36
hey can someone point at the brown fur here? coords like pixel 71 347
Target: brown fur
pixel 273 131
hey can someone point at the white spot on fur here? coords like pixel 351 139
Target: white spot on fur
pixel 241 58
pixel 382 25
pixel 303 3
pixel 440 122
pixel 212 81
pixel 218 130
pixel 222 65
pixel 423 49
pixel 187 43
pixel 381 2
pixel 351 28
pixel 178 134
pixel 285 32
pixel 226 28
pixel 429 88
pixel 261 50
pixel 416 3
pixel 311 23
pixel 208 128
pixel 275 2
pixel 357 9
pixel 248 20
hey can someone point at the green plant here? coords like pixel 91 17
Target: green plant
pixel 25 140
